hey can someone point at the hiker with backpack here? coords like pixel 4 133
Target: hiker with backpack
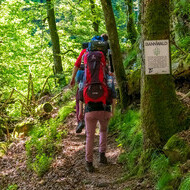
pixel 98 98
pixel 77 75
pixel 78 63
pixel 109 55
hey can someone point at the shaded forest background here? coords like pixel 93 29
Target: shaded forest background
pixel 26 45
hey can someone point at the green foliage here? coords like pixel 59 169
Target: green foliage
pixel 44 140
pixel 185 184
pixel 119 9
pixel 25 44
pixel 67 96
pixel 159 164
pixel 133 60
pixel 129 127
pixel 12 187
pixel 181 12
pixel 41 164
pixel 42 146
pixel 131 57
pixel 181 35
pixel 165 174
pixel 129 137
pixel 65 110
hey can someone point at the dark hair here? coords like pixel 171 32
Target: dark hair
pixel 105 36
pixel 84 45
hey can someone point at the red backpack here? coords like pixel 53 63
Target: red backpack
pixel 95 85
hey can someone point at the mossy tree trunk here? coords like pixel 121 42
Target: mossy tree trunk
pixel 95 18
pixel 116 53
pixel 54 37
pixel 160 108
pixel 131 30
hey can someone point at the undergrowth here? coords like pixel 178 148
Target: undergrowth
pixel 166 176
pixel 12 187
pixel 44 140
pixel 163 174
pixel 129 139
pixel 185 183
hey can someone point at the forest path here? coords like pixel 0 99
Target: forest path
pixel 68 171
pixel 105 177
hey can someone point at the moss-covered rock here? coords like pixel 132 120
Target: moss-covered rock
pixel 25 126
pixel 133 81
pixel 177 149
pixel 168 188
pixel 3 148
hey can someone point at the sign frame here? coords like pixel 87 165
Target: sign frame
pixel 157 57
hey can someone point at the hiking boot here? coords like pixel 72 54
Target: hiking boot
pixel 103 158
pixel 89 167
pixel 80 126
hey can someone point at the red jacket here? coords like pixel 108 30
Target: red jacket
pixel 79 59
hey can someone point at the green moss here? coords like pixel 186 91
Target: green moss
pixel 176 142
pixel 3 148
pixel 177 149
pixel 134 82
pixel 65 110
pixel 162 113
pixel 157 25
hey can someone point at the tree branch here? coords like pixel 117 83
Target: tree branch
pixel 174 43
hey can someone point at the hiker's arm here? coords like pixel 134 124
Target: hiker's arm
pixel 75 69
pixel 113 107
pixel 79 59
pixel 80 116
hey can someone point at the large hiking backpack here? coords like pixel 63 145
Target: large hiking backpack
pixel 95 85
pixel 97 43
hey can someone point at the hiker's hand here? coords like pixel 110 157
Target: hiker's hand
pixel 111 74
pixel 80 116
pixel 72 83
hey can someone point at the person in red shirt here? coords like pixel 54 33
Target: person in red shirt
pixel 77 68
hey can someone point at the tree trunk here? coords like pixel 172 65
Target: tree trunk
pixel 131 31
pixel 161 111
pixel 96 21
pixel 54 37
pixel 116 53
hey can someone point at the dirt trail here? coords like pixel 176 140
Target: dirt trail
pixel 68 169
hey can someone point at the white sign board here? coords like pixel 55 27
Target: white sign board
pixel 157 59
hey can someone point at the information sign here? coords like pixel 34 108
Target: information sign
pixel 157 59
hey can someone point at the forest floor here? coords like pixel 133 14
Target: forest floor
pixel 68 171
